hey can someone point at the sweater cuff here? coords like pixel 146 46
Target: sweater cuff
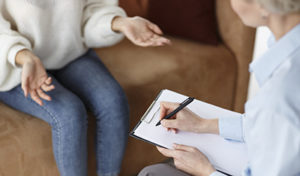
pixel 232 128
pixel 217 174
pixel 13 52
pixel 106 23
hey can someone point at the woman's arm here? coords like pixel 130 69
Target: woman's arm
pixel 11 42
pixel 97 23
pixel 230 128
pixel 35 80
pixel 190 159
pixel 105 24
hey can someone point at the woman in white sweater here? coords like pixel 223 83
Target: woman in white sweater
pixel 44 54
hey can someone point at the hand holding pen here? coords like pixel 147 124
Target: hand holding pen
pixel 186 120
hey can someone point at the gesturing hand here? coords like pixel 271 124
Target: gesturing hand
pixel 140 31
pixel 189 159
pixel 186 120
pixel 35 80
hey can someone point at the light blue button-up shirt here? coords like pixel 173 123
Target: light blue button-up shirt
pixel 270 126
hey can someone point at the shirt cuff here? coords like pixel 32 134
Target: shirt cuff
pixel 13 52
pixel 232 128
pixel 217 174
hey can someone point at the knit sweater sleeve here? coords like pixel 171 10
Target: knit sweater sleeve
pixel 97 19
pixel 11 42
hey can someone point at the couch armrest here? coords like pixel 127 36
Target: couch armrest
pixel 240 40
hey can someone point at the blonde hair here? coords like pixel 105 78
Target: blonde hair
pixel 281 6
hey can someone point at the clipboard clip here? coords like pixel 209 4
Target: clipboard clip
pixel 148 119
pixel 145 118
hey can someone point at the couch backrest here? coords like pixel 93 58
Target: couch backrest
pixel 234 34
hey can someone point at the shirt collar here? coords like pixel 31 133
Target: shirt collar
pixel 279 51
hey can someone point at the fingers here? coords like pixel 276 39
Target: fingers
pixel 37 94
pixel 25 86
pixel 157 40
pixel 48 80
pixel 35 97
pixel 47 85
pixel 43 95
pixel 155 28
pixel 172 123
pixel 166 107
pixel 47 88
pixel 184 148
pixel 150 39
pixel 167 152
pixel 160 41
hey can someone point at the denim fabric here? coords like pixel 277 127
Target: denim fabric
pixel 83 84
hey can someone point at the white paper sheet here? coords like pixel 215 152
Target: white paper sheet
pixel 227 156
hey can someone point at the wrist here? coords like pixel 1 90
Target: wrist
pixel 208 126
pixel 206 171
pixel 118 23
pixel 24 56
pixel 209 171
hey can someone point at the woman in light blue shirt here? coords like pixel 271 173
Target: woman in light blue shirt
pixel 270 126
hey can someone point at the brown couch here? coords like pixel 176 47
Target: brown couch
pixel 215 74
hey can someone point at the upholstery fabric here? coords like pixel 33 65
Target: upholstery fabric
pixel 239 39
pixel 192 19
pixel 135 7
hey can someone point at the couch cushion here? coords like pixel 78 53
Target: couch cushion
pixel 25 145
pixel 206 72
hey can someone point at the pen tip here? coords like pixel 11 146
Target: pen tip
pixel 157 124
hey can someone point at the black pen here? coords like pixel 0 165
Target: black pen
pixel 182 105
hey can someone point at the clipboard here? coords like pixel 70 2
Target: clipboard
pixel 226 156
pixel 143 119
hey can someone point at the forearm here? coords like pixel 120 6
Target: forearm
pixel 208 126
pixel 230 127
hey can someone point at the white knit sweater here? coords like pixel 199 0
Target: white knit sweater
pixel 57 31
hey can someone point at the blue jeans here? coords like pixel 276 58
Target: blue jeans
pixel 83 84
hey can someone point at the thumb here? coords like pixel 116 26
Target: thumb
pixel 173 123
pixel 184 147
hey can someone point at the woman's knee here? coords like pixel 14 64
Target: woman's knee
pixel 70 113
pixel 112 102
pixel 117 94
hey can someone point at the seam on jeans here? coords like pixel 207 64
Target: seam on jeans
pixel 54 118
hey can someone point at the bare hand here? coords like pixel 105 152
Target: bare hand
pixel 140 31
pixel 189 159
pixel 186 120
pixel 35 80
